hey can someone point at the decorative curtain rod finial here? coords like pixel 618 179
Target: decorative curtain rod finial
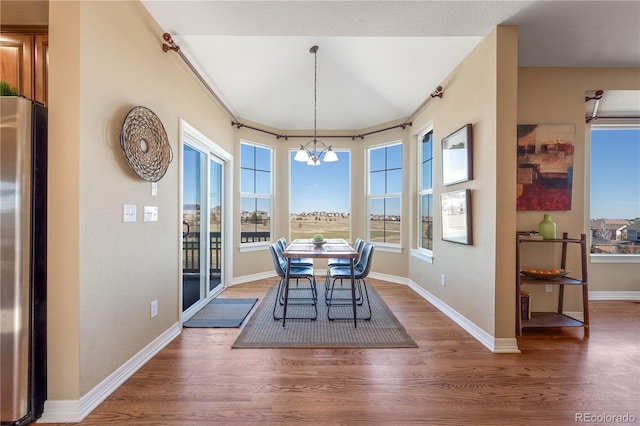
pixel 171 45
pixel 438 92
pixel 597 96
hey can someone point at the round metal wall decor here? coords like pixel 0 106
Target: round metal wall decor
pixel 145 145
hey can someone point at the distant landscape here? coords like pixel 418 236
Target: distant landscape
pixel 333 225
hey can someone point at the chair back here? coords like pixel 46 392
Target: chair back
pixel 357 246
pixel 276 256
pixel 283 243
pixel 364 264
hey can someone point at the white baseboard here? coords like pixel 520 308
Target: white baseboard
pixel 496 345
pixel 253 277
pixel 390 278
pixel 614 295
pixel 578 315
pixel 73 411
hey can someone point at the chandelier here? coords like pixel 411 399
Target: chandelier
pixel 309 151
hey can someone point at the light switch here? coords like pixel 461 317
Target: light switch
pixel 129 213
pixel 150 213
pixel 154 189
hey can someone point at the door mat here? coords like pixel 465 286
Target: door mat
pixel 222 313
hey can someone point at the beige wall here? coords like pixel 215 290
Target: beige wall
pixel 106 58
pixel 556 96
pixel 475 287
pixel 32 12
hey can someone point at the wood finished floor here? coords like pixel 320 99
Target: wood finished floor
pixel 450 379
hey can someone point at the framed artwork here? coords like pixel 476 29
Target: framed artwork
pixel 456 216
pixel 545 166
pixel 457 158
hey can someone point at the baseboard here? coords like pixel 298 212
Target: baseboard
pixel 496 345
pixel 614 295
pixel 577 315
pixel 389 278
pixel 253 277
pixel 73 411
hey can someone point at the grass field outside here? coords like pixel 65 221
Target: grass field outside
pixel 329 227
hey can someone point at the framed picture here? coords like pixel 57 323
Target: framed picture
pixel 456 216
pixel 545 166
pixel 457 158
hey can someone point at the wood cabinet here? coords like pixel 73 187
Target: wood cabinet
pixel 24 59
pixel 557 318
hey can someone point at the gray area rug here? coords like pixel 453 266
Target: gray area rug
pixel 382 331
pixel 222 313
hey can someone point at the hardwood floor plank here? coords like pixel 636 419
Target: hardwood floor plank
pixel 450 379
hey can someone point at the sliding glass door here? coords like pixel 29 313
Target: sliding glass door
pixel 203 250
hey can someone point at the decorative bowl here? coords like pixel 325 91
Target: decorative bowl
pixel 319 243
pixel 543 276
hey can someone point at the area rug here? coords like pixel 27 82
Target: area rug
pixel 382 331
pixel 222 313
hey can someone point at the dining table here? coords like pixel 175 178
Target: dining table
pixel 336 248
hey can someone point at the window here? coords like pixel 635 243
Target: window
pixel 256 193
pixel 384 195
pixel 320 198
pixel 615 190
pixel 425 191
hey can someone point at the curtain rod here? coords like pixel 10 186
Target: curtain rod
pixel 171 45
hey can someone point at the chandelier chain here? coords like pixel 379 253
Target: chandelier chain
pixel 315 92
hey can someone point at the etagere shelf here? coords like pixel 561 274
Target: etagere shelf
pixel 557 318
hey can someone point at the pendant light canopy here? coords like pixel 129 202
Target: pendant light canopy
pixel 309 152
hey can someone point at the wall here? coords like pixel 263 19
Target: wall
pixel 556 96
pixel 32 12
pixel 479 277
pixel 104 273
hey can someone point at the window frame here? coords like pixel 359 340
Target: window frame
pixel 603 258
pixel 270 196
pixel 339 151
pixel 385 246
pixel 420 252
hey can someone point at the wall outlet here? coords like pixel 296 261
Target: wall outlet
pixel 154 308
pixel 443 280
pixel 548 288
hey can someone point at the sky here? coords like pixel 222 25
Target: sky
pixel 615 174
pixel 323 188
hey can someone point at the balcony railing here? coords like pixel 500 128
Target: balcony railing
pixel 191 249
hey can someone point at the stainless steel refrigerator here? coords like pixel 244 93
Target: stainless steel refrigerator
pixel 23 259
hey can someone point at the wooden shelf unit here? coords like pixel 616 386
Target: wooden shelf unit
pixel 558 318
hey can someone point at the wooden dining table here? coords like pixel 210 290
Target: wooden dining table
pixel 332 248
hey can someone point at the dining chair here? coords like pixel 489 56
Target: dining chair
pixel 340 273
pixel 337 262
pixel 296 261
pixel 357 246
pixel 309 295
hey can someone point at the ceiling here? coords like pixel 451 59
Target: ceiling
pixel 377 60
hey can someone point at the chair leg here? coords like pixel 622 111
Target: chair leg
pixel 297 301
pixel 346 301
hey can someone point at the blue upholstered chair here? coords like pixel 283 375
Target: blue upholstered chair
pixel 342 295
pixel 298 294
pixel 296 261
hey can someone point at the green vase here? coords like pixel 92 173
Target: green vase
pixel 547 228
